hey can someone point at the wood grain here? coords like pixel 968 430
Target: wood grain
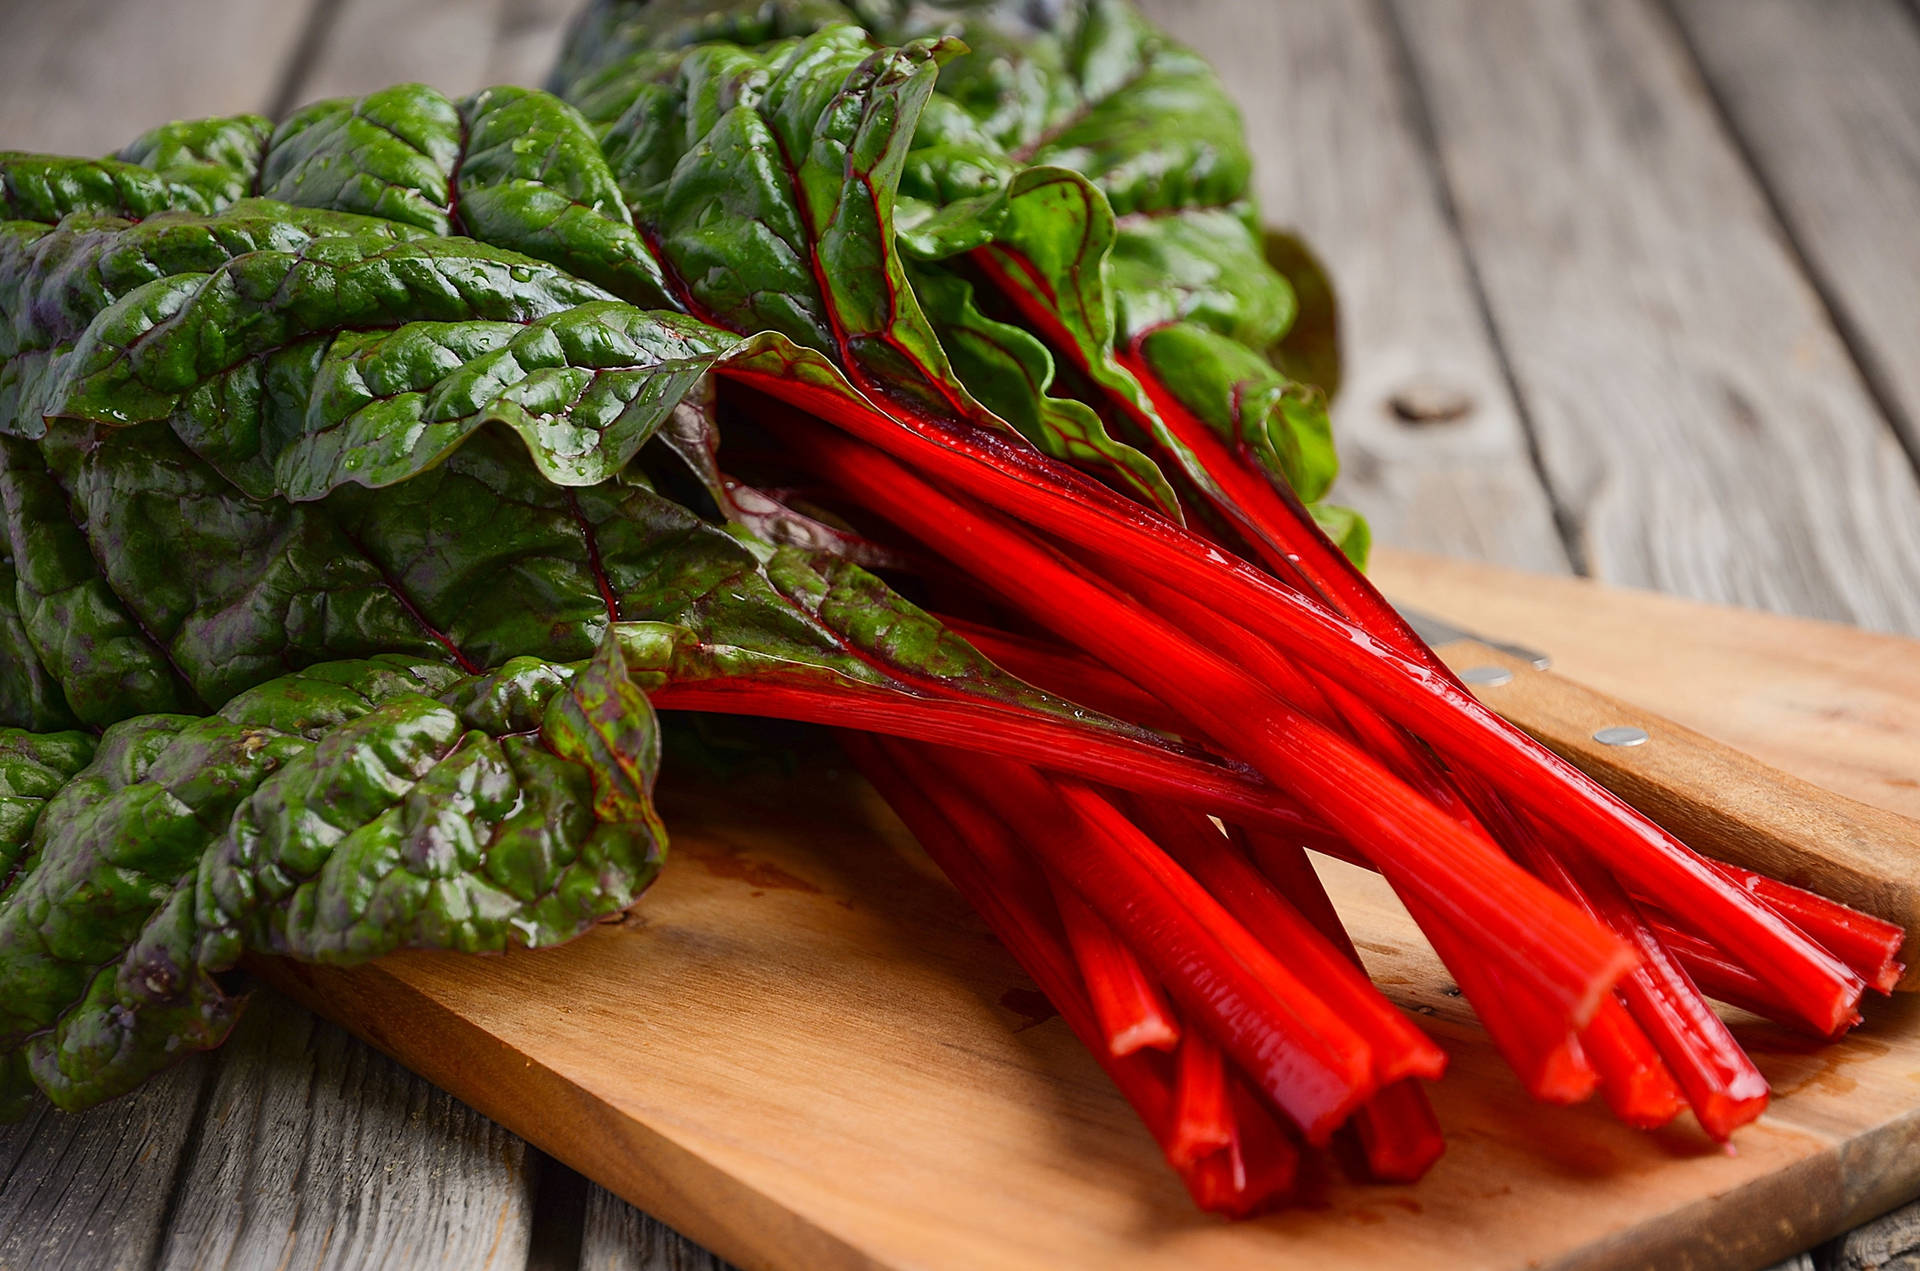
pixel 315 1151
pixel 87 76
pixel 1891 1244
pixel 95 1192
pixel 803 1051
pixel 295 1145
pixel 457 46
pixel 1694 407
pixel 1339 159
pixel 619 1237
pixel 1826 100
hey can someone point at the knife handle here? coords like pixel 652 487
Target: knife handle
pixel 1721 802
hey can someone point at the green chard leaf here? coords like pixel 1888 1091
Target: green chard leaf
pixel 1012 371
pixel 821 125
pixel 765 181
pixel 508 166
pixel 511 167
pixel 333 815
pixel 1093 169
pixel 44 188
pixel 428 452
pixel 1160 234
pixel 1279 424
pixel 217 159
pixel 1240 397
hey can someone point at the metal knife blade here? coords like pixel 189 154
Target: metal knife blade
pixel 1438 631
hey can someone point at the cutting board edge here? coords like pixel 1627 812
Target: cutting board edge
pixel 759 1233
pixel 1696 1236
pixel 645 1167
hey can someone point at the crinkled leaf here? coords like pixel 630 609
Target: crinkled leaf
pixel 54 282
pixel 217 159
pixel 81 632
pixel 765 181
pixel 218 353
pixel 531 178
pixel 44 188
pixel 390 154
pixel 333 815
pixel 509 166
pixel 1201 267
pixel 585 387
pixel 33 767
pixel 274 586
pixel 1093 86
pixel 29 697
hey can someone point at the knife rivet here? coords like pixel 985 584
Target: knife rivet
pixel 1487 676
pixel 1621 735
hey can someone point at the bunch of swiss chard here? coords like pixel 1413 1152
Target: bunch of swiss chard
pixel 365 496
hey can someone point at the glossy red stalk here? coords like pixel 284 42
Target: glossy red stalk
pixel 1131 1011
pixel 1056 500
pixel 1634 1080
pixel 1068 673
pixel 977 853
pixel 1869 945
pixel 995 728
pixel 1721 1083
pixel 1725 980
pixel 1462 877
pixel 1197 845
pixel 1290 1043
pixel 1202 1120
pixel 1398 1132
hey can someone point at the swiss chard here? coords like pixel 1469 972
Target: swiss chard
pixel 334 814
pixel 430 393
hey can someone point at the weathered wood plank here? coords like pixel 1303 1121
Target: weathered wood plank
pixel 621 1238
pixel 1340 159
pixel 1695 410
pixel 85 76
pixel 527 41
pixel 1891 1243
pixel 94 1192
pixel 1826 100
pixel 316 1151
pixel 455 45
pixel 373 43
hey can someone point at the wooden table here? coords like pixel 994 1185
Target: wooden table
pixel 1628 289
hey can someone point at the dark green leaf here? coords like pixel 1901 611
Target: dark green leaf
pixel 334 815
pixel 1011 372
pixel 531 178
pixel 216 159
pixel 44 188
pixel 54 282
pixel 765 180
pixel 217 353
pixel 390 154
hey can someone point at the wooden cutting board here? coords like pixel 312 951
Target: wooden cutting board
pixel 805 1052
